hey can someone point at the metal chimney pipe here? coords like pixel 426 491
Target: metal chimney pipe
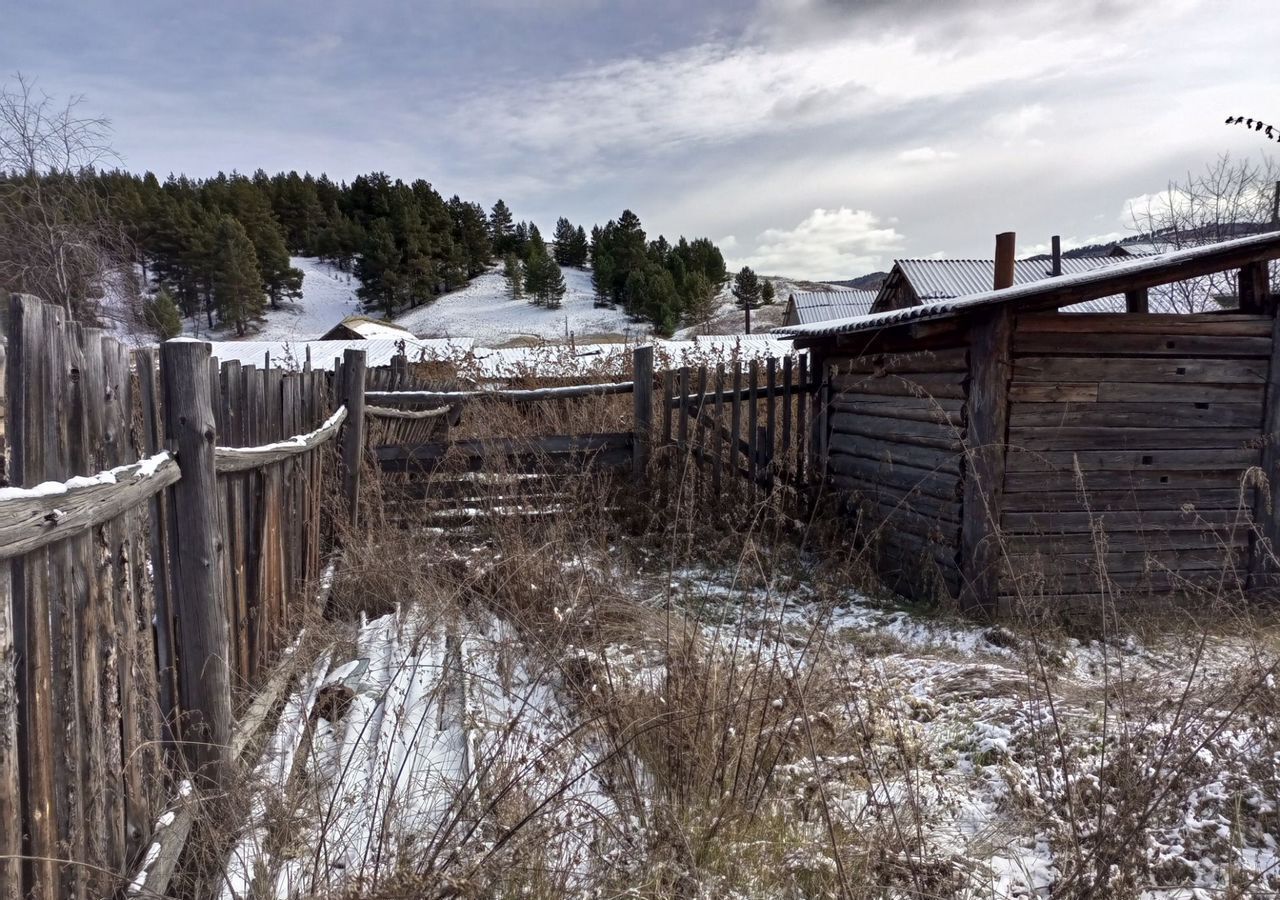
pixel 1057 255
pixel 1005 244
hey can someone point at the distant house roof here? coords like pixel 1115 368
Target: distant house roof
pixel 293 354
pixel 354 328
pixel 942 279
pixel 805 307
pixel 1089 286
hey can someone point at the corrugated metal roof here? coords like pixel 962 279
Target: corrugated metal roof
pixel 821 306
pixel 943 279
pixel 292 354
pixel 1268 244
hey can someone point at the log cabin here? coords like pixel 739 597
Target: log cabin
pixel 997 450
pixel 807 307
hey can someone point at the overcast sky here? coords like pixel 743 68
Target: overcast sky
pixel 810 138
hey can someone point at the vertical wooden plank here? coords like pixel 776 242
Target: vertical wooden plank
pixel 682 429
pixel 131 774
pixel 32 329
pixel 1254 288
pixel 1264 545
pixel 641 408
pixel 10 808
pixel 735 419
pixel 161 526
pixel 70 457
pixel 667 393
pixel 353 364
pixel 770 428
pixel 802 404
pixel 990 353
pixel 823 422
pixel 102 805
pixel 787 468
pixel 718 433
pixel 699 422
pixel 232 485
pixel 205 684
pixel 753 414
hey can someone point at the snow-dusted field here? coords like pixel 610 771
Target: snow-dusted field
pixel 328 297
pixel 947 750
pixel 485 311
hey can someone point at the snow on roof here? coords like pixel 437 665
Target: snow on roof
pixel 1263 245
pixel 374 329
pixel 292 354
pixel 821 306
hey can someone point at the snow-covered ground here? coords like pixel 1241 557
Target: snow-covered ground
pixel 956 752
pixel 485 311
pixel 328 297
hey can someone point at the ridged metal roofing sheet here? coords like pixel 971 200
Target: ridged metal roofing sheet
pixel 1268 244
pixel 821 306
pixel 944 279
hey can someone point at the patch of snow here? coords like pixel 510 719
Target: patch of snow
pixel 485 310
pixel 328 297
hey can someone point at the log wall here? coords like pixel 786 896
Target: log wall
pixel 1129 437
pixel 895 437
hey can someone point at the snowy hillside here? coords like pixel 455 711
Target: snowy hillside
pixel 485 311
pixel 328 296
pixel 728 317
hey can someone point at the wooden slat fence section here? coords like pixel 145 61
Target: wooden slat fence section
pixel 90 551
pixel 751 425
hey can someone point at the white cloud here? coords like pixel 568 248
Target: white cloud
pixel 828 243
pixel 1022 123
pixel 721 92
pixel 925 155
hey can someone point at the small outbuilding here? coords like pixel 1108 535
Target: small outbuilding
pixel 1000 451
pixel 364 328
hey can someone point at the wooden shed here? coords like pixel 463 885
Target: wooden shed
pixel 1003 450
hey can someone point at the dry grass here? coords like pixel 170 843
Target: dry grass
pixel 745 735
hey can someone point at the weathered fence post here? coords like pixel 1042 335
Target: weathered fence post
pixel 204 681
pixel 642 406
pixel 353 365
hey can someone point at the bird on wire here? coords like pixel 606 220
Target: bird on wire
pixel 1271 132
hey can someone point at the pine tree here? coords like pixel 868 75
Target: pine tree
pixel 767 295
pixel 746 287
pixel 501 229
pixel 515 278
pixel 237 283
pixel 564 237
pixel 553 286
pixel 162 316
pixel 581 248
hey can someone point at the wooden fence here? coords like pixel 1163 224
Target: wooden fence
pixel 148 564
pixel 760 425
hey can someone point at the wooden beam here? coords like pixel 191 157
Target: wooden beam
pixel 204 678
pixel 238 459
pixel 1136 301
pixel 642 408
pixel 990 352
pixel 353 369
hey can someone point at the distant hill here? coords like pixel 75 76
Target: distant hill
pixel 870 282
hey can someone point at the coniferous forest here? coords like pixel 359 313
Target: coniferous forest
pixel 220 247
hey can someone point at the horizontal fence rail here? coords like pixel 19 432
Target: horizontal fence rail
pixel 509 395
pixel 238 459
pixel 31 518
